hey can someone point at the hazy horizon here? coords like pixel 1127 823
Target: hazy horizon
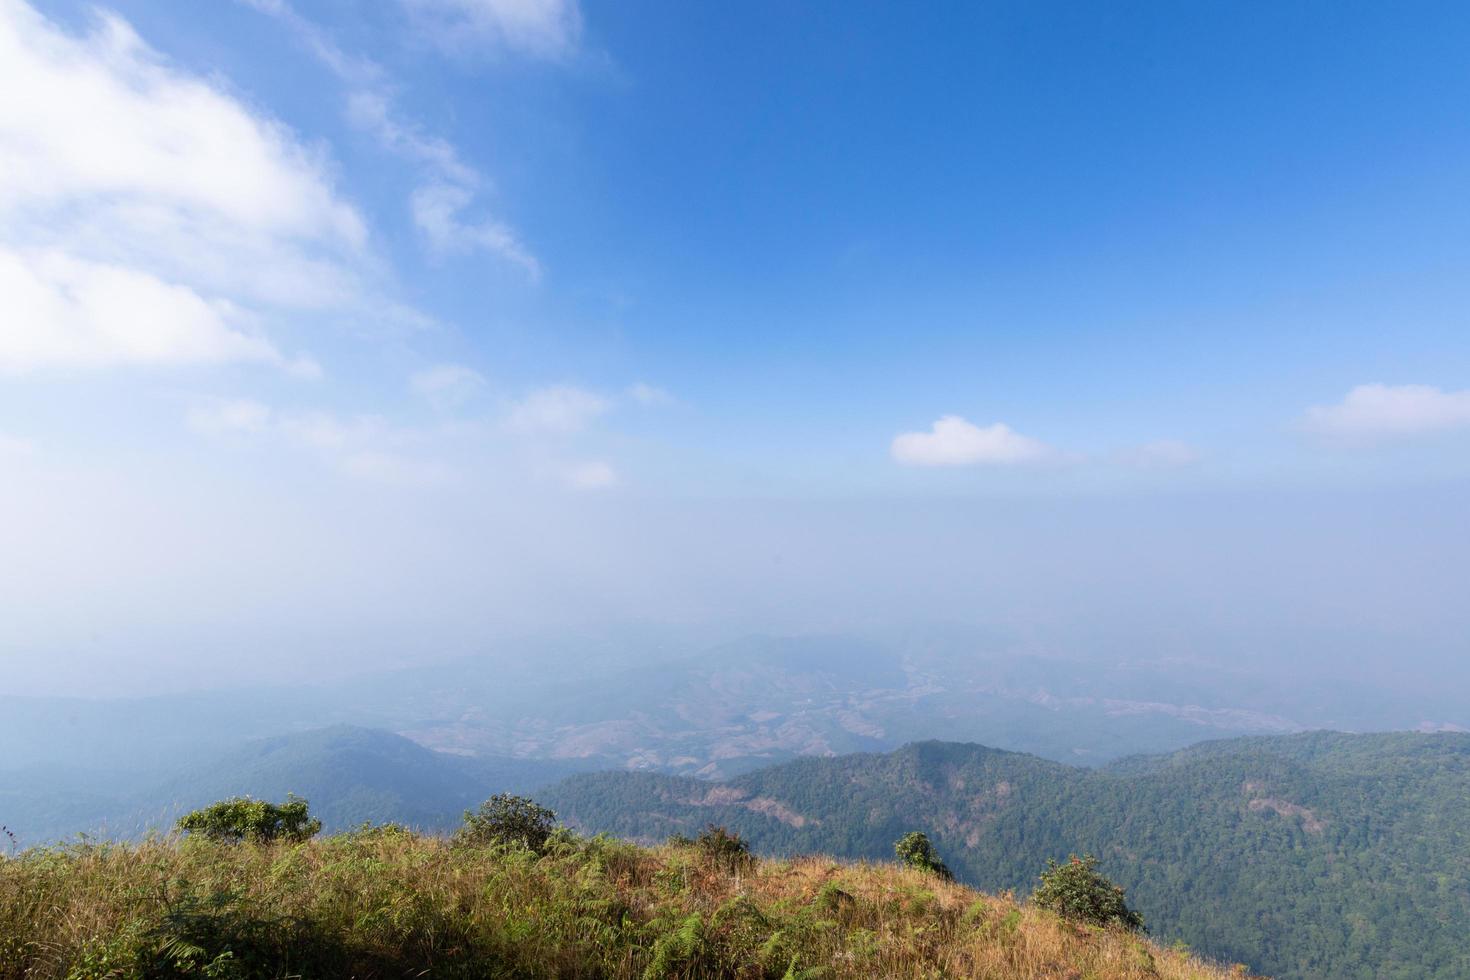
pixel 341 337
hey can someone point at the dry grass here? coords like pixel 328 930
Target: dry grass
pixel 393 904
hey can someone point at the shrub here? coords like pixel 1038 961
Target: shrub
pixel 242 818
pixel 915 851
pixel 1078 891
pixel 724 848
pixel 506 819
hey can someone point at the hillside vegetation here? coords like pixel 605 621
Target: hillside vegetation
pixel 389 903
pixel 1321 855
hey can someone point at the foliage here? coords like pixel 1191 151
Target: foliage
pixel 723 848
pixel 376 905
pixel 242 818
pixel 915 851
pixel 1077 890
pixel 509 820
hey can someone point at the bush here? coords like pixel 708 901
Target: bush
pixel 724 848
pixel 915 851
pixel 506 819
pixel 1078 891
pixel 241 818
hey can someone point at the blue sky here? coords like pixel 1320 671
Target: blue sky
pixel 542 264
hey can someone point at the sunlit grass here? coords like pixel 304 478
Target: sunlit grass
pixel 388 903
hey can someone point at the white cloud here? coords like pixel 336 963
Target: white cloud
pixel 105 117
pixel 66 312
pixel 437 210
pixel 541 28
pixel 952 441
pixel 557 410
pixel 1376 412
pixel 230 415
pixel 450 183
pixel 591 475
pixel 371 109
pixel 649 396
pixel 143 210
pixel 1161 454
pixel 318 42
pixel 447 385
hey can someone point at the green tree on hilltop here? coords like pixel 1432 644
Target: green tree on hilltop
pixel 508 819
pixel 241 818
pixel 1078 891
pixel 915 851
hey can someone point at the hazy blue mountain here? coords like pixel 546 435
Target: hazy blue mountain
pixel 720 710
pixel 349 774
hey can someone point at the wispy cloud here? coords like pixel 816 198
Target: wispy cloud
pixel 145 211
pixel 363 447
pixel 447 193
pixel 648 395
pixel 539 28
pixel 438 212
pixel 229 415
pixel 952 441
pixel 1378 412
pixel 556 410
pixel 447 385
pixel 371 109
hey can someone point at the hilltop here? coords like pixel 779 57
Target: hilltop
pixel 386 903
pixel 1320 855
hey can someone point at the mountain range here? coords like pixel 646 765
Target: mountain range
pixel 717 711
pixel 1314 855
pixel 1309 855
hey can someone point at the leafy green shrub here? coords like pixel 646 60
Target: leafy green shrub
pixel 724 848
pixel 915 851
pixel 242 818
pixel 681 951
pixel 1078 891
pixel 506 819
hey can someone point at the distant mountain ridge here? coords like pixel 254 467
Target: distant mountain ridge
pixel 1318 855
pixel 350 775
pixel 718 711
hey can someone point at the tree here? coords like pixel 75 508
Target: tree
pixel 507 819
pixel 915 851
pixel 1077 890
pixel 724 847
pixel 241 818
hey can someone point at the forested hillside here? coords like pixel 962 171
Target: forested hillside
pixel 1319 855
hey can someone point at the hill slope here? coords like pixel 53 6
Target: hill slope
pixel 391 904
pixel 1311 856
pixel 349 774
